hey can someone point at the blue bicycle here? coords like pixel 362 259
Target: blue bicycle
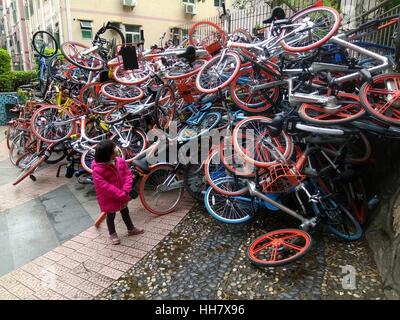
pixel 45 47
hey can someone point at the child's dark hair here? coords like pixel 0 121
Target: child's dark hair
pixel 104 151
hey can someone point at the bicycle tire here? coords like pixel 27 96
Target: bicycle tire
pixel 202 77
pixel 302 251
pixel 150 203
pixel 96 56
pixel 39 50
pixel 320 42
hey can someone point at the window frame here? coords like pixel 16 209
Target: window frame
pixel 86 28
pixel 132 33
pixel 220 3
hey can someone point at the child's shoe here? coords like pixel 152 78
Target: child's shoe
pixel 135 231
pixel 114 239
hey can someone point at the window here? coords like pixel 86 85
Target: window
pixel 86 28
pixel 218 3
pixel 31 6
pixel 26 7
pixel 132 34
pixel 14 9
pixel 188 1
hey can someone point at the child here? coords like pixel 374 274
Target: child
pixel 113 183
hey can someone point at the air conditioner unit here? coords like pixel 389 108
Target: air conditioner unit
pixel 190 8
pixel 129 3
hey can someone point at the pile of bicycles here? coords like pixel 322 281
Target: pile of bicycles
pixel 277 122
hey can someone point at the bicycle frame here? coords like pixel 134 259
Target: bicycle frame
pixel 329 102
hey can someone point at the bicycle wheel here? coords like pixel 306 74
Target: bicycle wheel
pixel 44 44
pixel 194 181
pixel 164 109
pixel 253 101
pixel 228 209
pixel 161 189
pixel 241 35
pixel 319 24
pixel 57 154
pixel 57 67
pixel 88 156
pixel 279 247
pixel 52 124
pixel 259 148
pixel 121 92
pixel 349 109
pixel 218 73
pixel 91 97
pixel 233 162
pixel 381 99
pixel 351 194
pixel 182 71
pixel 74 52
pixel 18 147
pixel 358 149
pixel 32 162
pixel 214 170
pixel 396 44
pixel 193 131
pixel 131 77
pixel 337 219
pixel 206 33
pixel 131 141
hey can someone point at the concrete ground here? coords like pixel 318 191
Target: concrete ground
pixel 49 248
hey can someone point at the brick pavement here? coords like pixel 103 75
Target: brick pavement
pixel 84 266
pixel 87 264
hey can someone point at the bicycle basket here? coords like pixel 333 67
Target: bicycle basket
pixel 185 90
pixel 129 56
pixel 213 47
pixel 280 178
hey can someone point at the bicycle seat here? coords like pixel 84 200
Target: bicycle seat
pixel 189 54
pixel 281 21
pixel 142 164
pixel 277 14
pixel 276 125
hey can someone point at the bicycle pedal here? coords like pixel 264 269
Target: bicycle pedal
pixel 32 177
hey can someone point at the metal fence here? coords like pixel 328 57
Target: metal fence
pixel 354 13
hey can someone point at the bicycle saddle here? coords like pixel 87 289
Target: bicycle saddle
pixel 276 125
pixel 189 54
pixel 142 164
pixel 277 14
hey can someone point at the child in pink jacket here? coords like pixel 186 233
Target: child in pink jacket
pixel 113 183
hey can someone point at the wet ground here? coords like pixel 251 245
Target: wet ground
pixel 199 259
pixel 203 259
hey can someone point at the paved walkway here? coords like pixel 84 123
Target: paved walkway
pixel 49 248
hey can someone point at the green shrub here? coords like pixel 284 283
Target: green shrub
pixel 5 62
pixel 10 81
pixel 6 82
pixel 23 77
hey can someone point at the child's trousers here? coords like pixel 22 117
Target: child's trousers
pixel 125 217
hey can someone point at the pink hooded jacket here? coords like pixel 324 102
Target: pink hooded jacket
pixel 112 184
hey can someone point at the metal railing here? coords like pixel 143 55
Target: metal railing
pixel 354 13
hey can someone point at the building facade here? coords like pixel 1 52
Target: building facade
pixel 78 20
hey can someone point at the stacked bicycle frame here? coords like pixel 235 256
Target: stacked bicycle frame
pixel 287 114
